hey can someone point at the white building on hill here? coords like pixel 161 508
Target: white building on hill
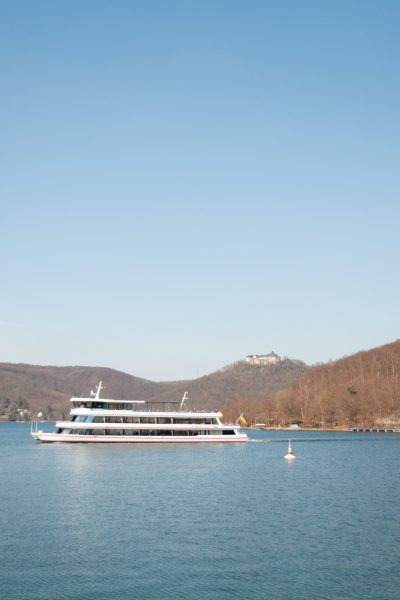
pixel 263 359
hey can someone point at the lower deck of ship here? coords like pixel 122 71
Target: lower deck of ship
pixel 126 439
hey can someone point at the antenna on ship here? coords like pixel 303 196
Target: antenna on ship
pixel 183 401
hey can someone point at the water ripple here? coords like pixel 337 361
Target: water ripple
pixel 194 523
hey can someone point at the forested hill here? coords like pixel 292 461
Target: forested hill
pixel 48 389
pixel 239 382
pixel 360 389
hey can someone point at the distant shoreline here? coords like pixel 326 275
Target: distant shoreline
pixel 361 429
pixel 299 429
pixel 354 429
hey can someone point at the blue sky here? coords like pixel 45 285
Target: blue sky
pixel 185 183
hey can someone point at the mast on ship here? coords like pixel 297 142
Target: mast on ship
pixel 183 401
pixel 96 395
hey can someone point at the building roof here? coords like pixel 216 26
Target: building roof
pixel 271 354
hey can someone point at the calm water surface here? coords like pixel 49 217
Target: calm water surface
pixel 215 522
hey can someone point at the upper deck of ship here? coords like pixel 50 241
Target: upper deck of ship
pixel 94 403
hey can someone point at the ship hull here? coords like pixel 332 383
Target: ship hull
pixel 136 439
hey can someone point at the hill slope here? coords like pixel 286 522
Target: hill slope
pixel 239 382
pixel 48 389
pixel 360 389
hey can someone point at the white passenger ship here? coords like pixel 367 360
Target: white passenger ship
pixel 103 420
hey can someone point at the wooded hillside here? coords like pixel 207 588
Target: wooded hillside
pixel 237 382
pixel 358 389
pixel 31 388
pixel 48 389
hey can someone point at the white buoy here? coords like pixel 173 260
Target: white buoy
pixel 290 455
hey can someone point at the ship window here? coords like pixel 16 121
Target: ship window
pixel 98 405
pixel 228 432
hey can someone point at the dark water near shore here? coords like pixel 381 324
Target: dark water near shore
pixel 218 522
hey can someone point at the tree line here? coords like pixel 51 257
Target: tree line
pixel 362 389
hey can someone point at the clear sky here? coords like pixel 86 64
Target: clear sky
pixel 185 183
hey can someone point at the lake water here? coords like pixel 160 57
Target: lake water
pixel 212 522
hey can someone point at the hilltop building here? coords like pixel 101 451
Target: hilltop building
pixel 263 359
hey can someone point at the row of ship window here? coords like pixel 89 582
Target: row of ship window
pixel 127 406
pixel 150 420
pixel 144 432
pixel 112 406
